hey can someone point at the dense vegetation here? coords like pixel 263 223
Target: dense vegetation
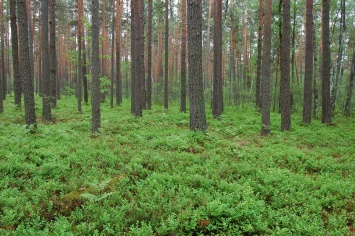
pixel 152 176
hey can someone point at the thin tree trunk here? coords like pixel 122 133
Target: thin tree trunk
pixel 46 98
pixel 265 85
pixel 53 54
pixel 83 67
pixel 259 59
pixel 112 54
pixel 15 56
pixel 79 67
pixel 183 58
pixel 143 101
pixel 350 88
pixel 217 103
pixel 95 71
pixel 315 76
pixel 206 77
pixel 3 71
pixel 307 95
pixel 166 82
pixel 30 35
pixel 335 88
pixel 39 68
pixel 326 112
pixel 136 104
pixel 118 53
pixel 149 79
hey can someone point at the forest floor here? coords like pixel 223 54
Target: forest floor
pixel 153 176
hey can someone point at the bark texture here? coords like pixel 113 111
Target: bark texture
pixel 53 53
pixel 265 85
pixel 307 95
pixel 25 66
pixel 326 111
pixel 15 56
pixel 194 32
pixel 96 96
pixel 166 81
pixel 285 68
pixel 183 59
pixel 46 97
pixel 217 92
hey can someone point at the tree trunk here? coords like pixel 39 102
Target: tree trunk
pixel 141 54
pixel 194 32
pixel 136 97
pixel 285 69
pixel 3 72
pixel 326 111
pixel 307 96
pixel 217 92
pixel 183 58
pixel 259 59
pixel 80 63
pixel 149 79
pixel 95 71
pixel 83 67
pixel 335 88
pixel 104 40
pixel 315 76
pixel 265 86
pixel 25 66
pixel 30 35
pixel 53 54
pixel 15 56
pixel 350 88
pixel 166 82
pixel 112 53
pixel 46 98
pixel 118 52
pixel 206 78
pixel 39 66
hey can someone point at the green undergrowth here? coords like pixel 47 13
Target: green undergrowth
pixel 152 176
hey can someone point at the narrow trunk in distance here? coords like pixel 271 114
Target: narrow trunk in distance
pixel 183 59
pixel 265 85
pixel 307 95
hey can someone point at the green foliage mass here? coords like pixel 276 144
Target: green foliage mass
pixel 152 176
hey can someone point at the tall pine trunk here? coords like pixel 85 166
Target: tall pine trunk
pixel 307 95
pixel 350 88
pixel 285 68
pixel 194 32
pixel 46 98
pixel 259 58
pixel 217 100
pixel 183 59
pixel 79 68
pixel 337 78
pixel 265 85
pixel 150 31
pixel 118 52
pixel 25 66
pixel 15 56
pixel 95 71
pixel 53 54
pixel 326 111
pixel 166 81
pixel 207 57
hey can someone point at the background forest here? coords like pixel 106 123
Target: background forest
pixel 142 74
